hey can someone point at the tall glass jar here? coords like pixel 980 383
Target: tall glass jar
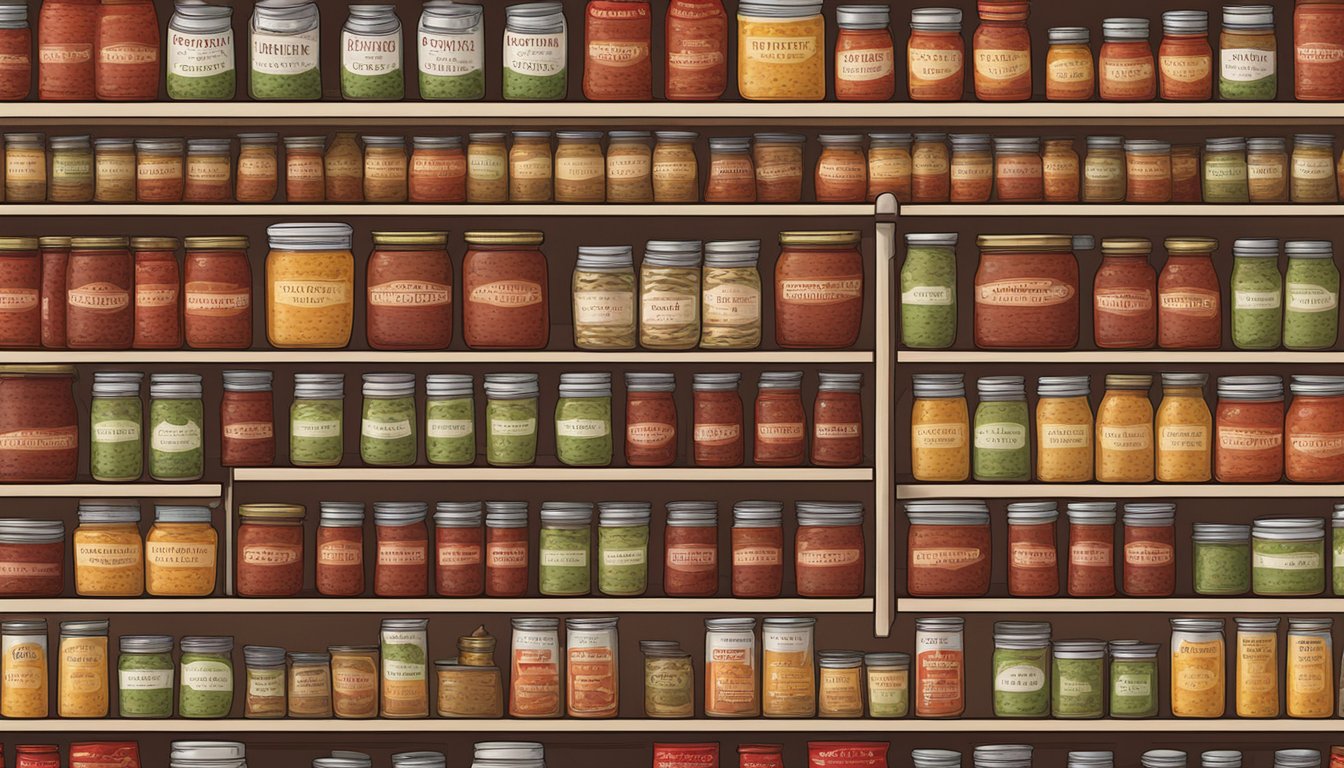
pixel 340 549
pixel 1226 178
pixel 1021 668
pixel 935 55
pixel 1002 50
pixel 98 291
pixel 940 445
pixel 315 420
pixel 1149 563
pixel 1147 171
pixel 116 445
pixel 371 56
pixel 1125 446
pixel 1018 174
pixel 1257 667
pixel 284 39
pixel 176 427
pixel 780 437
pixel 310 284
pixel 451 53
pixel 450 419
pixel 676 173
pixel 409 291
pixel 718 438
pixel 344 163
pixel 1002 451
pixel 579 167
pixel 247 420
pixel 504 288
pixel 1185 59
pixel 1104 170
pixel 1189 297
pixel 731 295
pixel 305 171
pixel 1198 668
pixel 387 434
pixel 650 419
pixel 1033 554
pixel 930 169
pixel 669 289
pixel 929 291
pixel 623 547
pixel 1184 429
pixel 1313 445
pixel 1311 298
pixel 1127 71
pixel 603 294
pixel 159 170
pixel 113 171
pixel 564 559
pixel 1124 295
pixel 438 170
pixel 1248 65
pixel 1267 170
pixel 583 420
pixel 1070 71
pixel 511 419
pixel 732 174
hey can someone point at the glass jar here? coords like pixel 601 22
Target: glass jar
pixel 1127 71
pixel 669 291
pixel 534 674
pixel 669 680
pixel 504 286
pixel 1226 178
pixel 176 427
pixel 54 253
pixel 16 38
pixel 344 168
pixel 787 650
pixel 209 174
pixel 1221 559
pixel 1149 567
pixel 767 26
pixel 145 676
pixel 511 419
pixel 732 175
pixel 1184 430
pixel 1018 173
pixel 1185 174
pixel 283 41
pixel 1124 311
pixel 1077 672
pixel 1134 680
pixel 410 291
pixel 108 553
pixel 1104 170
pixel 818 289
pixel 404 678
pixel 1316 38
pixel 650 419
pixel 1070 71
pixel 1032 553
pixel 71 177
pixel 928 291
pixel 310 285
pixel 691 549
pixel 1189 298
pixel 676 174
pixel 887 682
pixel 24 664
pixel 1314 445
pixel 1125 446
pixel 1091 567
pixel 1059 171
pixel 269 550
pixel 970 168
pixel 438 170
pixel 940 667
pixel 450 419
pixel 387 433
pixel 935 55
pixel 81 670
pixel 1147 171
pixel 1267 170
pixel 1313 169
pixel 731 295
pixel 531 168
pixel 535 53
pixel 487 168
pixel 583 420
pixel 506 548
pixel 315 420
pixel 865 56
pixel 98 294
pixel 889 166
pixel 778 158
pixel 309 685
pixel 116 437
pixel 39 420
pixel 1185 59
pixel 939 429
pixel 159 170
pixel 732 684
pixel 842 170
pixel 247 420
pixel 1248 59
pixel 603 296
pixel 948 549
pixel 579 167
pixel 206 689
pixel 1198 668
pixel 354 681
pixel 181 549
pixel 780 426
pixel 1337 551
pixel 371 55
pixel 113 171
pixel 25 168
pixel 1001 436
pixel 629 168
pixel 758 549
pixel 1309 679
pixel 386 169
pixel 1311 299
pixel 717 425
pixel 1257 667
pixel 1287 556
pixel 451 52
pixel 564 564
pixel 623 548
pixel 1013 266
pixel 340 549
pixel 401 560
pixel 1250 429
pixel 930 169
pixel 258 168
pixel 199 56
pixel 1002 49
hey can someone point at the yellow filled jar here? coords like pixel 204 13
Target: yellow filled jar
pixel 939 426
pixel 1125 430
pixel 1184 427
pixel 1257 681
pixel 781 50
pixel 181 551
pixel 840 684
pixel 1063 430
pixel 81 673
pixel 310 286
pixel 676 174
pixel 108 551
pixel 1310 678
pixel 1198 668
pixel 487 168
pixel 386 169
pixel 23 667
pixel 788 676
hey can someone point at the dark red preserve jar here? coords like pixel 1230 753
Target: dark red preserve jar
pixel 718 419
pixel 247 420
pixel 39 428
pixel 1033 561
pixel 1091 549
pixel 650 420
pixel 1124 307
pixel 217 293
pixel 32 558
pixel 410 291
pixel 1150 550
pixel 837 420
pixel 340 549
pixel 158 293
pixel 37 756
pixel 829 549
pixel 270 550
pixel 402 565
pixel 506 552
pixel 55 259
pixel 758 548
pixel 504 291
pixel 459 568
pixel 20 293
pixel 781 427
pixel 691 549
pixel 949 549
pixel 1026 292
pixel 98 282
pixel 818 290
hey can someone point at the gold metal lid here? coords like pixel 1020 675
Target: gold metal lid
pixel 1190 244
pixel 56 241
pixel 98 243
pixel 18 243
pixel 216 243
pixel 1026 242
pixel 505 237
pixel 820 237
pixel 154 243
pixel 37 370
pixel 277 512
pixel 1139 246
pixel 410 238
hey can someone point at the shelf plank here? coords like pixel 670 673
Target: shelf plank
pixel 438 605
pixel 327 356
pixel 1119 357
pixel 1164 605
pixel 550 474
pixel 115 490
pixel 1000 210
pixel 1111 491
pixel 234 210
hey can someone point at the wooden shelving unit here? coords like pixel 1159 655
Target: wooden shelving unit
pixel 290 210
pixel 438 605
pixel 115 490
pixel 551 474
pixel 327 356
pixel 1113 491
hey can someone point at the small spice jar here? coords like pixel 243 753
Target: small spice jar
pixel 629 169
pixel 1018 173
pixel 1267 170
pixel 889 165
pixel 113 171
pixel 265 682
pixel 1313 169
pixel 676 174
pixel 340 549
pixel 603 296
pixel 270 550
pixel 971 168
pixel 247 420
pixel 1225 174
pixel 579 167
pixel 309 688
pixel 1147 171
pixel 1059 171
pixel 1248 59
pixel 305 169
pixel 929 170
pixel 1185 59
pixel 209 174
pixel 1104 170
pixel 506 548
pixel 718 439
pixel 401 564
pixel 258 168
pixel 1149 565
pixel 71 174
pixel 935 55
pixel 732 177
pixel 159 172
pixel 1185 174
pixel 343 167
pixel 778 158
pixel 1002 50
pixel 691 551
pixel 1033 569
pixel 1091 568
pixel 487 168
pixel 386 169
pixel 650 420
pixel 1070 72
pixel 25 168
pixel 842 170
pixel 669 680
pixel 438 171
pixel 829 549
pixel 780 426
pixel 531 167
pixel 887 682
pixel 1126 61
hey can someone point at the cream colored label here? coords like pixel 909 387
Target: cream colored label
pixel 304 168
pixel 371 55
pixel 1133 685
pixel 340 553
pixel 1019 171
pixel 83 665
pixel 162 554
pixel 214 676
pixel 952 558
pixel 128 53
pixel 932 64
pixel 266 684
pixel 1000 64
pixel 615 308
pixel 116 431
pixel 410 293
pixel 1301 561
pixel 99 297
pixel 628 167
pixel 1244 65
pixel 1319 53
pixel 821 291
pixel 732 304
pixel 972 170
pixel 582 428
pixel 457 555
pixel 145 679
pixel 1318 445
pixel 1070 70
pixel 1126 302
pixel 1186 69
pixel 1063 436
pixel 1248 439
pixel 674 170
pixel 531 168
pixel 510 294
pixel 578 168
pixel 1308 664
pixel 1137 437
pixel 929 163
pixel 1145 167
pixel 513 427
pixel 311 294
pixel 448 428
pixel 445 167
pixel 664 308
pixel 402 552
pixel 829 558
pixel 1256 299
pixel 66 165
pixel 771 49
pixel 107 555
pixel 1233 171
pixel 1183 437
pixel 748 556
pixel 152 168
pixel 1001 436
pixel 249 430
pixel 1195 303
pixel 650 433
pixel 1144 553
pixel 1090 553
pixel 315 429
pixel 115 168
pixel 1309 297
pixel 564 558
pixel 18 299
pixel 284 54
pixel 252 166
pixel 192 55
pixel 1313 168
pixel 1264 171
pixel 780 433
pixel 209 170
pixel 386 430
pixel 537 55
pixel 865 64
pixel 1020 678
pixel 1024 292
pixel 268 556
pixel 889 167
pixel 64 53
pixel 1023 555
pixel 1127 70
pixel 485 167
pixel 450 55
pixel 25 165
pixel 176 438
pixel 949 435
pixel 929 296
pixel 1102 170
pixel 384 168
pixel 716 434
pixel 37 439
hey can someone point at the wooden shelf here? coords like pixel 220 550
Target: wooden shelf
pixel 1112 491
pixel 1120 357
pixel 1001 210
pixel 437 605
pixel 549 474
pixel 339 356
pixel 1165 605
pixel 289 210
pixel 115 490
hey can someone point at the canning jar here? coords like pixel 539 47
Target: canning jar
pixel 1287 556
pixel 1001 437
pixel 732 683
pixel 1313 169
pixel 199 57
pixel 691 549
pixel 535 52
pixel 970 168
pixel 623 547
pixel 531 168
pixel 1309 678
pixel 1026 292
pixel 283 41
pixel 450 419
pixel 929 291
pixel 1185 59
pixel 1267 170
pixel 1311 299
pixel 780 426
pixel 180 553
pixel 315 420
pixel 451 52
pixel 386 169
pixel 506 548
pixel 371 55
pixel 758 549
pixel 865 55
pixel 650 420
pixel 127 51
pixel 935 55
pixel 176 427
pixel 788 647
pixel 1248 56
pixel 534 669
pixel 113 171
pixel 629 167
pixel 1250 429
pixel 837 420
pixel 438 170
pixel 1070 71
pixel 207 681
pixel 603 295
pixel 669 679
pixel 24 664
pixel 696 63
pixel 939 428
pixel 159 170
pixel 511 412
pixel 310 285
pixel 1104 170
pixel 1198 668
pixel 948 551
pixel 669 295
pixel 340 549
pixel 1257 667
pixel 1256 294
pixel 1002 50
pixel 940 667
pixel 1033 569
pixel 564 562
pixel 889 166
pixel 676 173
pixel 270 550
pixel 309 685
pixel 887 683
pixel 71 175
pixel 505 291
pixel 930 169
pixel 344 162
pixel 258 168
pixel 1125 445
pixel 732 174
pixel 1149 566
pixel 818 290
pixel 247 420
pixel 145 676
pixel 1317 38
pixel 116 445
pixel 1226 177
pixel 717 425
pixel 782 47
pixel 592 684
pixel 1221 562
pixel 265 681
pixel 1018 172
pixel 579 167
pixel 583 420
pixel 404 680
pixel 1059 171
pixel 842 169
pixel 21 293
pixel 1189 303
pixel 1091 567
pixel 459 565
pixel 829 549
pixel 36 550
pixel 1077 672
pixel 209 172
pixel 1147 171
pixel 1127 72
pixel 25 168
pixel 99 283
pixel 1124 313
pixel 1184 429
pixel 487 168
pixel 410 291
pixel 1314 430
pixel 387 433
pixel 778 159
pixel 730 295
pixel 81 670
pixel 16 40
pixel 401 561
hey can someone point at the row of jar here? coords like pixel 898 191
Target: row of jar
pixel 1035 675
pixel 949 552
pixel 1020 756
pixel 392 679
pixel 1247 438
pixel 122 293
pixel 634 167
pixel 470 549
pixel 1026 293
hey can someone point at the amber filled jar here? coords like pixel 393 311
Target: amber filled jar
pixel 1189 303
pixel 159 173
pixel 531 167
pixel 676 172
pixel 629 167
pixel 842 169
pixel 930 167
pixel 1124 307
pixel 732 176
pixel 1185 58
pixel 504 290
pixel 778 159
pixel 305 169
pixel 1104 170
pixel 217 293
pixel 889 165
pixel 818 290
pixel 99 280
pixel 1313 168
pixel 1018 171
pixel 1127 72
pixel 970 168
pixel 1147 171
pixel 936 55
pixel 410 291
pixel 780 438
pixel 386 169
pixel 158 293
pixel 1070 72
pixel 1026 292
pixel 1267 170
pixel 343 166
pixel 70 179
pixel 1225 171
pixel 1059 169
pixel 438 172
pixel 579 167
pixel 1002 49
pixel 487 168
pixel 258 168
pixel 209 171
pixel 113 170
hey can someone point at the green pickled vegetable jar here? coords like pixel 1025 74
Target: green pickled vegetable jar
pixel 176 442
pixel 887 684
pixel 450 419
pixel 566 540
pixel 1222 559
pixel 387 423
pixel 1337 545
pixel 200 64
pixel 1002 444
pixel 535 53
pixel 583 420
pixel 283 56
pixel 1257 294
pixel 623 547
pixel 116 415
pixel 371 68
pixel 316 436
pixel 1311 295
pixel 511 419
pixel 1226 177
pixel 1248 55
pixel 1077 679
pixel 452 51
pixel 929 291
pixel 145 676
pixel 206 691
pixel 1133 679
pixel 1287 556
pixel 1021 669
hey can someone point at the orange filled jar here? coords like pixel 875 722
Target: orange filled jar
pixel 1318 50
pixel 936 55
pixel 1070 71
pixel 1185 58
pixel 1126 63
pixel 1147 171
pixel 842 169
pixel 1002 50
pixel 1314 430
pixel 1059 167
pixel 865 55
pixel 929 169
pixel 1018 173
pixel 438 170
pixel 971 168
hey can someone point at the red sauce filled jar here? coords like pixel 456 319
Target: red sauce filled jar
pixel 217 293
pixel 55 260
pixel 410 291
pixel 930 169
pixel 16 53
pixel 697 50
pixel 20 292
pixel 1318 48
pixel 1314 430
pixel 506 548
pixel 818 290
pixel 438 170
pixel 758 549
pixel 505 291
pixel 1091 549
pixel 270 550
pixel 401 568
pixel 1149 568
pixel 1124 311
pixel 829 549
pixel 1019 174
pixel 1189 301
pixel 1026 292
pixel 340 549
pixel 971 168
pixel 1002 50
pixel 691 549
pixel 39 428
pixel 842 169
pixel 1125 65
pixel 781 426
pixel 732 174
pixel 650 420
pixel 126 51
pixel 158 293
pixel 33 554
pixel 1033 556
pixel 37 756
pixel 65 60
pixel 865 55
pixel 1248 428
pixel 459 565
pixel 247 420
pixel 617 36
pixel 718 422
pixel 837 420
pixel 1185 58
pixel 99 278
pixel 936 55
pixel 949 549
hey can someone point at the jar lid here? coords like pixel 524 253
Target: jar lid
pixel 582 385
pixel 891 139
pixel 263 512
pixel 887 659
pixel 629 136
pixel 1068 35
pixel 715 382
pixel 388 384
pixel 1221 758
pixel 778 138
pixel 1032 512
pixel 1136 381
pixel 564 136
pixel 263 656
pixel 310 657
pixel 319 386
pixel 1097 759
pixel 175 386
pixel 650 382
pixel 1288 529
pixel 1255 248
pixel 1296 758
pixel 935 758
pixel 247 381
pixel 341 514
pixel 504 237
pixel 438 239
pixel 662 649
pixel 96 511
pixel 509 750
pixel 1105 142
pixel 258 138
pixel 863 16
pixel 1125 29
pixel 1141 146
pixel 117 384
pixel 840 139
pixel 780 380
pixel 1225 144
pixel 535 623
pixel 828 514
pixel 839 659
pixel 673 253
pixel 566 512
pixel 419 760
pixel 1132 649
pixel 1185 22
pixel 216 243
pixel 676 137
pixel 1184 379
pixel 146 643
pixel 23 626
pixel 1025 243
pixel 820 237
pixel 732 253
pixel 1266 144
pixel 511 386
pixel 729 144
pixel 84 628
pixel 99 243
pixel 1001 388
pixel 623 514
pixel 399 513
pixel 1028 144
pixel 506 514
pixel 487 137
pixel 450 17
pixel 605 257
pixel 731 624
pixel 938 385
pixel 1309 249
pixel 970 142
pixel 449 385
pixel 940 623
pixel 1091 512
pixel 457 514
pixel 338 649
pixel 24 138
pixel 1309 624
pixel 1149 515
pixel 197 644
pixel 305 236
pixel 947 515
pixel 936 19
pixel 404 625
pixel 830 381
pixel 55 242
pixel 209 146
pixel 1250 387
pixel 1221 532
pixel 1248 16
pixel 385 142
pixel 162 146
pixel 1317 386
pixel 930 138
pixel 1313 140
pixel 1063 386
pixel 436 142
pixel 181 514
